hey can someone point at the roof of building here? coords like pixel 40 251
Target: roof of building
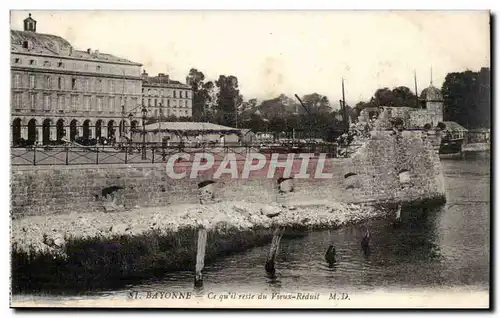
pixel 196 127
pixel 431 93
pixel 247 131
pixel 453 126
pixel 49 44
pixel 161 81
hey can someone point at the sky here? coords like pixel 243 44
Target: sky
pixel 290 52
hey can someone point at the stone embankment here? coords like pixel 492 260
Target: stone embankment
pixel 97 250
pixel 49 234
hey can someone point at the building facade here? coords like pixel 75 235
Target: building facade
pixel 164 97
pixel 60 92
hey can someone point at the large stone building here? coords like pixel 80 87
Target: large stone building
pixel 164 97
pixel 58 91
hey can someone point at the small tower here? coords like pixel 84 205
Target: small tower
pixel 433 101
pixel 30 24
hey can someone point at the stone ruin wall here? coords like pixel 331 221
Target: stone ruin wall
pixel 389 167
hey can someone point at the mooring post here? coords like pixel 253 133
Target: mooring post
pixel 270 263
pixel 398 212
pixel 200 256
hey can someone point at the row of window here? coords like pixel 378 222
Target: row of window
pixel 150 92
pixel 74 84
pixel 62 65
pixel 165 102
pixel 72 103
pixel 170 112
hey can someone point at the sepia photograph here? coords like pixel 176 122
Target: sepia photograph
pixel 250 159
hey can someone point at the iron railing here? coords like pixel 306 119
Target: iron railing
pixel 74 154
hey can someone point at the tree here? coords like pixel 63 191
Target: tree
pixel 316 104
pixel 202 95
pixel 208 100
pixel 403 96
pixel 400 96
pixel 274 107
pixel 196 79
pixel 228 100
pixel 467 98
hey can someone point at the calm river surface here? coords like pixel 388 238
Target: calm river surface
pixel 447 246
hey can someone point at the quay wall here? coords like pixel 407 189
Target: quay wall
pixel 394 167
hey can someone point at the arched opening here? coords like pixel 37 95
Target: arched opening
pixel 98 129
pixel 350 174
pixel 352 181
pixel 46 126
pixel 16 132
pixel 134 124
pixel 73 129
pixel 285 185
pixel 32 134
pixel 86 130
pixel 61 132
pixel 207 191
pixel 111 129
pixel 122 126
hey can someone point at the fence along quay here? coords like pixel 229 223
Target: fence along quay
pixel 74 153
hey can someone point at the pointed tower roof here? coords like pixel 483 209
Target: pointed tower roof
pixel 431 93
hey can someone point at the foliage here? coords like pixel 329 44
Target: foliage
pixel 400 96
pixel 202 95
pixel 467 98
pixel 315 104
pixel 228 100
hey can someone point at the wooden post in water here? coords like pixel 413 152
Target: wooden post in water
pixel 398 213
pixel 200 257
pixel 270 263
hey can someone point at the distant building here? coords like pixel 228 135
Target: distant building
pixel 453 130
pixel 189 133
pixel 430 111
pixel 164 97
pixel 58 91
pixel 432 103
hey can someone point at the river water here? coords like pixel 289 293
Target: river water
pixel 442 247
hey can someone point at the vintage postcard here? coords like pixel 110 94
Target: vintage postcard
pixel 250 159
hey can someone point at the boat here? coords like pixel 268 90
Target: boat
pixel 451 148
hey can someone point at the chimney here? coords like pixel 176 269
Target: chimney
pixel 188 80
pixel 70 50
pixel 144 75
pixel 89 51
pixel 96 52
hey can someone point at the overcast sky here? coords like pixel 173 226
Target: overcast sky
pixel 291 52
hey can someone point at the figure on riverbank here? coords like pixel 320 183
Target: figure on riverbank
pixel 365 242
pixel 330 256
